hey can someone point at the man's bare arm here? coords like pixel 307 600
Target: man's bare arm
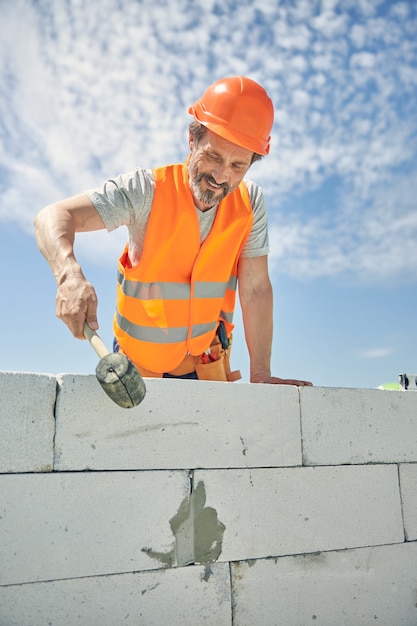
pixel 256 300
pixel 55 228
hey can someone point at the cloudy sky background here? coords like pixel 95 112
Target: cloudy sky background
pixel 89 90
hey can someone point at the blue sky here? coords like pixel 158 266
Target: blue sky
pixel 90 90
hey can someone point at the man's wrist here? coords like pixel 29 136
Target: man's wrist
pixel 63 275
pixel 260 376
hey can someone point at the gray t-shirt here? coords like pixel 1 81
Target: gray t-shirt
pixel 127 200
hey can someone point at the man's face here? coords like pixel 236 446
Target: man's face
pixel 216 168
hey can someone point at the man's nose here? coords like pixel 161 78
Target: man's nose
pixel 220 174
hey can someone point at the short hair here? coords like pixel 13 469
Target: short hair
pixel 198 131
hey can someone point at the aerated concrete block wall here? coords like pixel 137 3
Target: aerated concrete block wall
pixel 210 503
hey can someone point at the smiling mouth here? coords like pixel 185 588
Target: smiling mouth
pixel 212 183
pixel 210 194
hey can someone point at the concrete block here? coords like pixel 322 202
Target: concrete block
pixel 56 526
pixel 179 424
pixel 358 426
pixel 274 512
pixel 408 484
pixel 26 422
pixel 355 587
pixel 180 597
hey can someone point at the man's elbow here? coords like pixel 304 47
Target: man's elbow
pixel 259 292
pixel 40 219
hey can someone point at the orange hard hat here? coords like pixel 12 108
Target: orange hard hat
pixel 237 109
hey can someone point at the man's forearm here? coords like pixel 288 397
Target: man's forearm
pixel 55 235
pixel 257 319
pixel 55 227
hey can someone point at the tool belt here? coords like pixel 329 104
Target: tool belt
pixel 214 364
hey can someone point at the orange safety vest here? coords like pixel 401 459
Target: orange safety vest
pixel 171 302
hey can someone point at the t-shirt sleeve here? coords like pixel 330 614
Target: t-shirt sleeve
pixel 125 199
pixel 257 243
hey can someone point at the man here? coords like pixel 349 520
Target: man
pixel 194 231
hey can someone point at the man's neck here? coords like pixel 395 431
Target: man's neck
pixel 203 208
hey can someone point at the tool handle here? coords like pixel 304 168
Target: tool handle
pixel 96 342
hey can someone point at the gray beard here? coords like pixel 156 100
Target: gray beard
pixel 208 197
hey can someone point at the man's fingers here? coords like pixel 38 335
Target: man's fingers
pixel 76 305
pixel 288 381
pixel 91 318
pixel 273 380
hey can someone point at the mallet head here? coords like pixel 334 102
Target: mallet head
pixel 121 380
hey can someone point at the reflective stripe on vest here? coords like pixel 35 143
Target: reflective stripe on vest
pixel 171 302
pixel 174 291
pixel 162 335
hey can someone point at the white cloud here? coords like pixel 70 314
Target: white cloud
pixel 363 60
pixel 375 353
pixel 378 244
pixel 400 10
pixel 329 24
pixel 358 35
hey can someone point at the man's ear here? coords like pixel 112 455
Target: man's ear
pixel 191 140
